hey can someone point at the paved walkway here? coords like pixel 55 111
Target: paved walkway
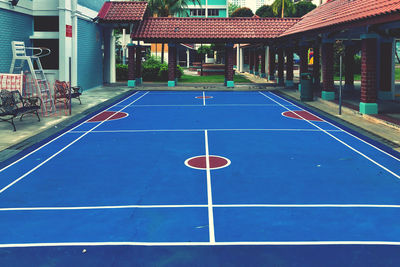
pixel 30 131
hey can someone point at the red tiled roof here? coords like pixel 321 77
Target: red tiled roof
pixel 122 11
pixel 222 29
pixel 338 12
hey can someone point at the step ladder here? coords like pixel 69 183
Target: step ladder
pixel 17 66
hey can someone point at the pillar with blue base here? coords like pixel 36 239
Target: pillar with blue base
pixel 289 67
pixel 131 66
pixel 138 65
pixel 229 64
pixel 328 86
pixel 256 62
pixel 263 71
pixel 369 48
pixel 172 65
pixel 271 65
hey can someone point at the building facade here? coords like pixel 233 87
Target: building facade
pixel 80 48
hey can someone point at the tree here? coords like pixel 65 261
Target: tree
pixel 303 7
pixel 265 11
pixel 232 8
pixel 242 12
pixel 168 8
pixel 288 8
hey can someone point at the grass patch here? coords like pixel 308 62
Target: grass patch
pixel 357 77
pixel 211 79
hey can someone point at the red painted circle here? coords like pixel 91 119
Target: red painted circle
pixel 300 114
pixel 109 116
pixel 199 162
pixel 204 97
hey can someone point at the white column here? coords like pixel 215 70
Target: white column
pixel 187 58
pixel 113 70
pixel 123 46
pixel 74 59
pixel 241 69
pixel 267 62
pixel 65 43
pixel 237 57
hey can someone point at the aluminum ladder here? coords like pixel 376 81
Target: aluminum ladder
pixel 41 83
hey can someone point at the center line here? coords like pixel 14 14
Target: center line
pixel 204 98
pixel 209 192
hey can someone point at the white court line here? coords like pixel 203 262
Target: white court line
pixel 203 206
pixel 201 130
pixel 340 141
pixel 52 140
pixel 269 243
pixel 377 148
pixel 209 192
pixel 61 150
pixel 204 98
pixel 213 105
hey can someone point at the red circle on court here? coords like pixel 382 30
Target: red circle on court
pixel 204 97
pixel 300 114
pixel 199 162
pixel 109 116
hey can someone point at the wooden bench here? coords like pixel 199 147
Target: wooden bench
pixel 12 104
pixel 63 92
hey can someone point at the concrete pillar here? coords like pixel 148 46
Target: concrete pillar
pixel 317 67
pixel 289 67
pixel 65 43
pixel 271 64
pixel 303 54
pixel 229 63
pixel 237 57
pixel 328 87
pixel 74 43
pixel 349 66
pixel 113 68
pixel 385 84
pixel 187 58
pixel 251 61
pixel 131 66
pixel 241 60
pixel 256 62
pixel 139 79
pixel 171 64
pixel 369 47
pixel 281 65
pixel 263 69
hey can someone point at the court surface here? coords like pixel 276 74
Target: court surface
pixel 246 170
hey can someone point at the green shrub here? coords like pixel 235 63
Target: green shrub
pixel 154 70
pixel 122 72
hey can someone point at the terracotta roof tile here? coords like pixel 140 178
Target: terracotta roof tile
pixel 122 11
pixel 343 11
pixel 212 28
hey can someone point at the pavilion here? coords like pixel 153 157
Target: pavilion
pixel 367 25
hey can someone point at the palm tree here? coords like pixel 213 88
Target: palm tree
pixel 284 7
pixel 169 8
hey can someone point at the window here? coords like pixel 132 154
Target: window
pixel 45 23
pixel 50 62
pixel 197 12
pixel 213 12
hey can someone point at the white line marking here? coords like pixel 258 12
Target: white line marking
pixel 204 98
pixel 201 130
pixel 61 150
pixel 214 105
pixel 209 192
pixel 270 243
pixel 377 148
pixel 203 206
pixel 52 140
pixel 340 141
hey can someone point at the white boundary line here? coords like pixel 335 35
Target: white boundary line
pixel 61 150
pixel 204 98
pixel 270 243
pixel 377 148
pixel 212 105
pixel 201 130
pixel 52 140
pixel 209 192
pixel 340 141
pixel 203 206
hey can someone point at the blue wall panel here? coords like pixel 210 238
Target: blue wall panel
pixel 92 4
pixel 13 27
pixel 90 54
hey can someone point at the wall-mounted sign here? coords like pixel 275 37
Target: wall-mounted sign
pixel 68 30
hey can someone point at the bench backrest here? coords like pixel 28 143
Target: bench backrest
pixel 61 89
pixel 11 82
pixel 10 100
